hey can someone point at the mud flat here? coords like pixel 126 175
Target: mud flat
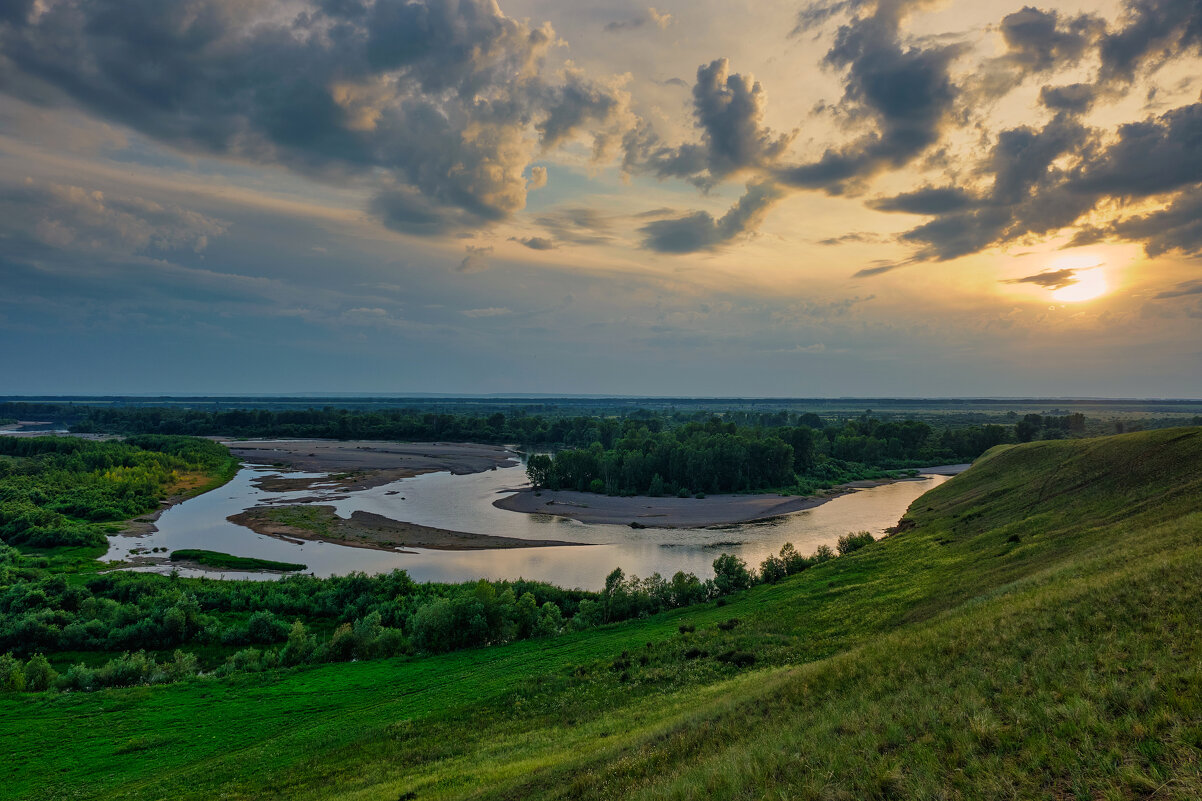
pixel 369 530
pixel 363 464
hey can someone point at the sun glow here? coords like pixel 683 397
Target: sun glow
pixel 1090 284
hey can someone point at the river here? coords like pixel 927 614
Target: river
pixel 464 503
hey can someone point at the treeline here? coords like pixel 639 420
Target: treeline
pixel 60 490
pixel 333 423
pixel 302 619
pixel 722 456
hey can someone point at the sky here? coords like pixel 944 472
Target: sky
pixel 736 198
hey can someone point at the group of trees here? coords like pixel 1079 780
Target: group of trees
pixel 722 456
pixel 58 490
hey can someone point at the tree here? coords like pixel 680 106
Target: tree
pixel 538 470
pixel 731 574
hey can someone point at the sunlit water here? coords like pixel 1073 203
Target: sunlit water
pixel 464 503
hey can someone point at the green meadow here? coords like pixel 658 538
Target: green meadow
pixel 1032 631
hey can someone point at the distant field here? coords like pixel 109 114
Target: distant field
pixel 1033 633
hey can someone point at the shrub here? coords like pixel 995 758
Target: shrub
pixel 823 554
pixel 854 542
pixel 38 674
pixel 264 627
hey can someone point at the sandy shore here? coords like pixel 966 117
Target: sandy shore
pixel 363 464
pixel 368 530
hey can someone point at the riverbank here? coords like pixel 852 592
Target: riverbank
pixel 641 511
pixel 319 523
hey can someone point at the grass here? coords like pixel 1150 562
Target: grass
pixel 314 518
pixel 1036 632
pixel 230 562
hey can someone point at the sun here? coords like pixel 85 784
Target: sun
pixel 1090 284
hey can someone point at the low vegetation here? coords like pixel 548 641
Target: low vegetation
pixel 226 561
pixel 1030 632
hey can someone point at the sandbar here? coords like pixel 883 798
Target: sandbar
pixel 369 530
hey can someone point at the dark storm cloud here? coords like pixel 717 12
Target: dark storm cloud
pixel 728 109
pixel 1049 279
pixel 438 95
pixel 905 91
pixel 701 231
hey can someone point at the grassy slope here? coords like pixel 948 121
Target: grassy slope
pixel 1037 634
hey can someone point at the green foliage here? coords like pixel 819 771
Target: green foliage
pixel 717 456
pixel 943 662
pixel 58 490
pixel 228 562
pixel 853 542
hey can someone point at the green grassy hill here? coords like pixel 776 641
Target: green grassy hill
pixel 1034 632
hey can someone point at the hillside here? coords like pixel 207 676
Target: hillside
pixel 1033 631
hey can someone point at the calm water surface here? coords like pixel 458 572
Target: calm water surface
pixel 464 503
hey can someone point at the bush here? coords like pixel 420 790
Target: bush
pixel 264 628
pixel 38 674
pixel 854 542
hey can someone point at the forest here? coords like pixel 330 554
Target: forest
pixel 721 456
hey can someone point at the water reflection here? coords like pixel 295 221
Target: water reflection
pixel 464 503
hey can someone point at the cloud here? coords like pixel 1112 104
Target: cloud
pixel 440 104
pixel 1183 290
pixel 491 311
pixel 83 220
pixel 880 268
pixel 700 231
pixel 1156 31
pixel 538 178
pixel 577 225
pixel 653 17
pixel 728 108
pixel 1076 98
pixel 926 200
pixel 1038 41
pixel 476 260
pixel 1175 227
pixel 1050 279
pixel 535 242
pixel 905 92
